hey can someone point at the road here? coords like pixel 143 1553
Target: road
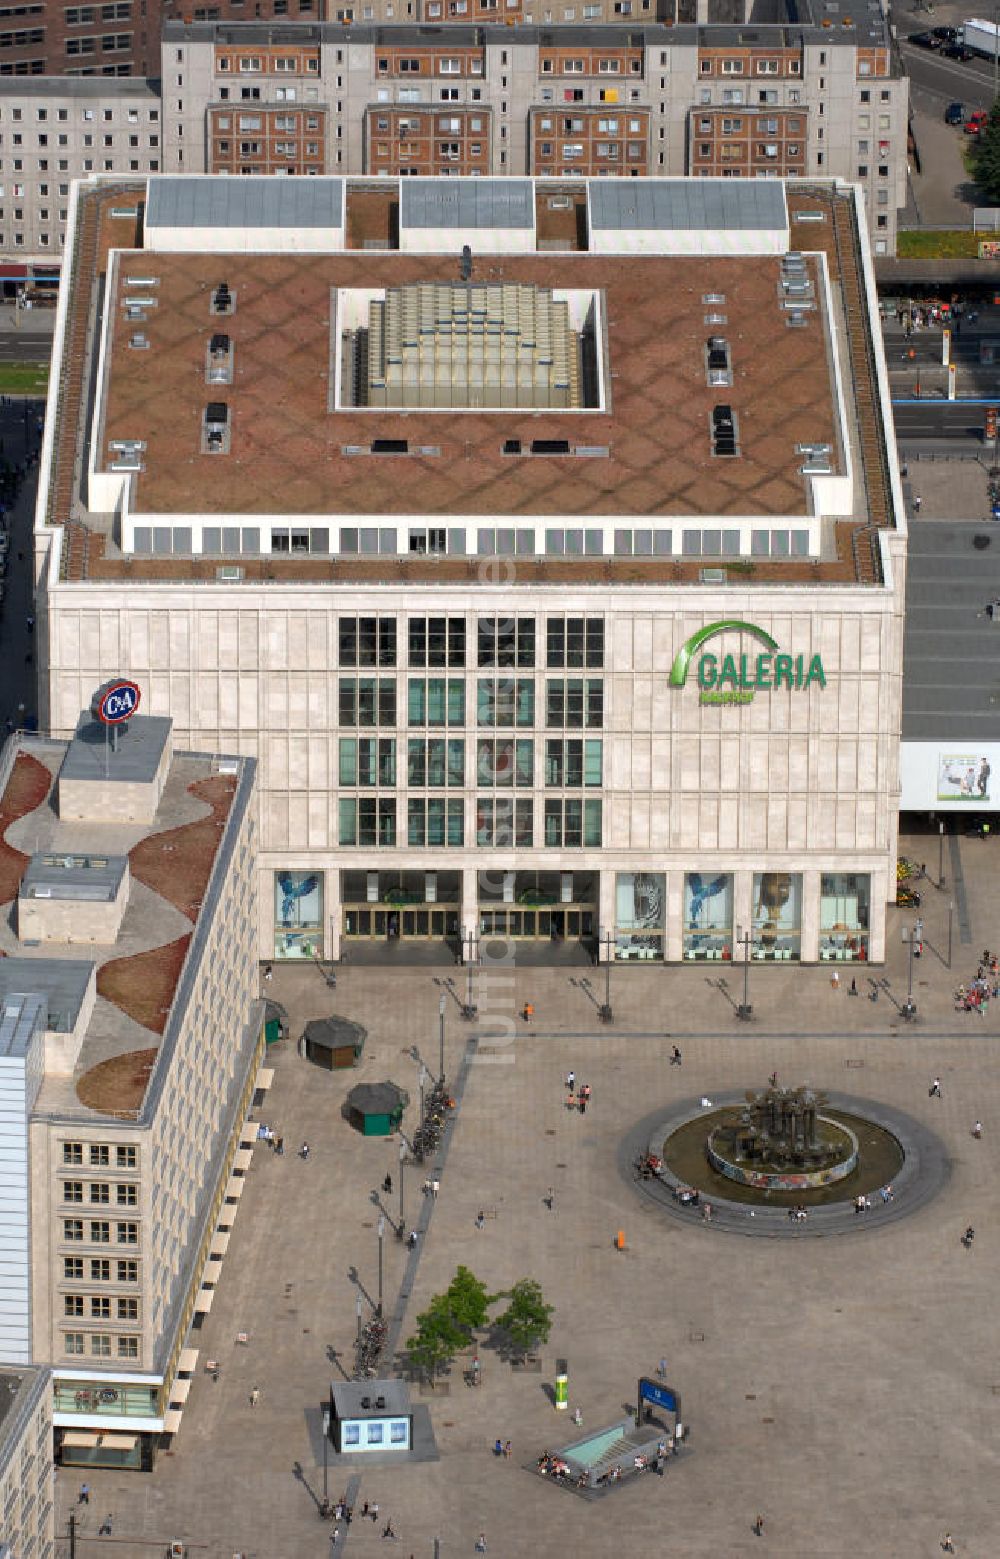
pixel 947 81
pixel 25 346
pixel 933 420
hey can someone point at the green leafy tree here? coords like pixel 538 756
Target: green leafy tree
pixel 437 1338
pixel 527 1319
pixel 986 156
pixel 469 1300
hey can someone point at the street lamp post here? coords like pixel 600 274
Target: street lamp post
pixel 402 1162
pixel 606 939
pixel 941 854
pixel 745 1011
pixel 469 1011
pixel 441 1039
pixel 909 1011
pixel 381 1241
pixel 951 911
pixel 326 1442
pixel 357 1312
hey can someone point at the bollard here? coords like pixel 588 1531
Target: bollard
pixel 620 1240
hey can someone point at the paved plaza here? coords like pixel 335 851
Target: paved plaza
pixel 846 1388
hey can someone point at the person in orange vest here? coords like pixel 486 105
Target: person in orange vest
pixel 529 1012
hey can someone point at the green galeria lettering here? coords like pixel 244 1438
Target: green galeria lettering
pixel 707 671
pixel 783 671
pixel 763 671
pixel 816 672
pixel 728 672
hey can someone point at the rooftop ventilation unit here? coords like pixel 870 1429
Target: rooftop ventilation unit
pixel 712 576
pixel 216 429
pixel 723 431
pixel 142 281
pixel 560 202
pixel 139 341
pixel 223 301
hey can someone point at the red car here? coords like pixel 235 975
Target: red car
pixel 975 121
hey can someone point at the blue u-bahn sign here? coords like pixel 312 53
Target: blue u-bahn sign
pixel 116 701
pixel 663 1396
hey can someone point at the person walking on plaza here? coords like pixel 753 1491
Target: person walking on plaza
pixel 84 1493
pixel 676 1058
pixel 934 1091
pixel 104 1530
pixel 968 1237
pixel 977 1130
pixel 481 1543
pixel 758 1526
pixel 948 1543
pixel 570 1081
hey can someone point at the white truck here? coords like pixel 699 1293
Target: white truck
pixel 982 37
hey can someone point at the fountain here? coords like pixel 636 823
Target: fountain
pixel 782 1142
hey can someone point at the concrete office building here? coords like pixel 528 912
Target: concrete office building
pixel 627 666
pixel 27 1480
pixel 576 92
pixel 130 1038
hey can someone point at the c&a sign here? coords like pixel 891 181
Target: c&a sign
pixel 735 678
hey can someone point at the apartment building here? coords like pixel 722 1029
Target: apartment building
pixel 542 538
pixel 130 1037
pixel 55 130
pixel 816 97
pixel 27 1479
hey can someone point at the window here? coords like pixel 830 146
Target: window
pixel 72 1228
pixel 127 1195
pixel 128 1347
pixel 505 701
pixel 128 1271
pixel 505 641
pixel 127 1158
pixel 366 760
pixel 367 641
pixel 436 761
pixel 367 821
pixel 571 824
pixel 100 1155
pixel 100 1193
pixel 73 1342
pixel 437 641
pixel 127 1309
pixel 574 703
pixel 436 701
pixel 100 1232
pixel 100 1270
pixel 72 1268
pixel 73 1304
pixel 503 761
pixel 367 701
pixel 574 641
pixel 100 1308
pixel 732 67
pixel 127 1233
pixel 72 1191
pixel 573 762
pixel 100 1347
pixel 504 821
pixel 433 821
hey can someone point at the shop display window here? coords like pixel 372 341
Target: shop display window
pixel 640 907
pixel 777 915
pixel 708 915
pixel 298 914
pixel 844 916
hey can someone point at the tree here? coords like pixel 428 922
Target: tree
pixel 468 1300
pixel 437 1338
pixel 986 155
pixel 527 1319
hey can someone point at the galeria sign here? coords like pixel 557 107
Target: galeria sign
pixel 734 679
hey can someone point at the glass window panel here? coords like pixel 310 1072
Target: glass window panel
pixel 348 760
pixel 435 821
pixel 456 697
pixel 415 821
pixel 708 915
pixel 456 762
pixel 417 701
pixel 416 765
pixel 591 823
pixel 523 762
pixel 436 701
pixel 348 831
pixel 593 761
pixel 777 914
pixel 456 822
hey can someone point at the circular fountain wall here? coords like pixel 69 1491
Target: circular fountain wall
pixel 833 1158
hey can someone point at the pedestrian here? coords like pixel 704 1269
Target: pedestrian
pixel 84 1493
pixel 758 1526
pixel 104 1530
pixel 279 1146
pixel 387 1530
pixel 507 1450
pixel 550 1200
pixel 387 1185
pixel 435 1188
pixel 917 501
pixel 854 986
pixel 934 1091
pixel 373 1512
pixel 255 1396
pixel 948 1543
pixel 268 971
pixel 835 979
pixel 968 1237
pixel 570 1081
pixel 480 1219
pixel 977 1130
pixel 364 1508
pixel 498 1447
pixel 335 1537
pixel 29 623
pixel 772 1081
pixel 676 1058
pixel 481 1543
pixel 661 1369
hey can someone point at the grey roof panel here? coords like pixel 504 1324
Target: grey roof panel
pixel 951 649
pixel 467 203
pixel 91 756
pixel 676 205
pixel 207 201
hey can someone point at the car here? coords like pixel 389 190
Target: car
pixel 946 34
pixel 924 40
pixel 957 51
pixel 954 114
pixel 976 121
